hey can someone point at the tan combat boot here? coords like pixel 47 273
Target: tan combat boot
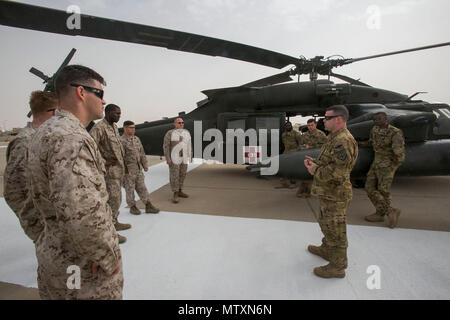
pixel 149 208
pixel 329 271
pixel 135 210
pixel 175 197
pixel 122 239
pixel 182 194
pixel 375 217
pixel 393 217
pixel 319 251
pixel 121 226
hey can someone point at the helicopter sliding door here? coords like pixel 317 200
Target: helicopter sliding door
pixel 248 136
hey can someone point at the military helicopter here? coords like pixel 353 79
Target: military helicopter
pixel 265 103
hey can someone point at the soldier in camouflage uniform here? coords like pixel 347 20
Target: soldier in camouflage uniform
pixel 178 152
pixel 136 161
pixel 292 140
pixel 17 192
pixel 69 193
pixel 313 138
pixel 106 135
pixel 331 171
pixel 389 147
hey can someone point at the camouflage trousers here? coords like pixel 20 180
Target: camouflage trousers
pixel 305 187
pixel 332 221
pixel 135 182
pixel 53 281
pixel 114 187
pixel 378 188
pixel 177 176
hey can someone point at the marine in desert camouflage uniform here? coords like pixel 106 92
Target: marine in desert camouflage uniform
pixel 389 147
pixel 332 185
pixel 106 135
pixel 313 138
pixel 292 140
pixel 177 148
pixel 69 192
pixel 136 161
pixel 16 185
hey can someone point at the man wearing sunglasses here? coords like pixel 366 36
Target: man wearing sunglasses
pixel 331 183
pixel 106 134
pixel 68 188
pixel 43 105
pixel 178 152
pixel 389 147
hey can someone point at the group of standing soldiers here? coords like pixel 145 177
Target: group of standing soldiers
pixel 331 178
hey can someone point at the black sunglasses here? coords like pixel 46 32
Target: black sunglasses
pixel 329 117
pixel 98 92
pixel 180 122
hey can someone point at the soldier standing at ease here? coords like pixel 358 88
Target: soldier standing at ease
pixel 17 192
pixel 292 140
pixel 135 160
pixel 331 171
pixel 389 147
pixel 313 138
pixel 178 152
pixel 106 134
pixel 69 193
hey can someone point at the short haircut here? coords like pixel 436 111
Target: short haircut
pixel 41 101
pixel 339 110
pixel 288 122
pixel 110 107
pixel 380 112
pixel 75 74
pixel 128 123
pixel 311 120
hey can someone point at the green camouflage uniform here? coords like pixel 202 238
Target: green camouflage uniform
pixel 292 140
pixel 108 141
pixel 177 168
pixel 389 147
pixel 69 192
pixel 314 139
pixel 332 185
pixel 16 184
pixel 136 161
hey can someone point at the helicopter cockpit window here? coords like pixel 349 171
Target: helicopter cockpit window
pixel 236 124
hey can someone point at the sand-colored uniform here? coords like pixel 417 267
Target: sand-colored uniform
pixel 313 139
pixel 108 140
pixel 16 184
pixel 292 140
pixel 69 192
pixel 389 147
pixel 180 139
pixel 136 161
pixel 333 187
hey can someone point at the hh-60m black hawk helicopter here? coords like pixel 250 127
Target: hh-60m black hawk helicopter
pixel 265 103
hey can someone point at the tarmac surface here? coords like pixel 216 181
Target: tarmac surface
pixel 236 237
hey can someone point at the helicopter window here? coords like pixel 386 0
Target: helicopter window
pixel 267 123
pixel 236 124
pixel 444 112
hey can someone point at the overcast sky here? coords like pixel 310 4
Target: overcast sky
pixel 151 82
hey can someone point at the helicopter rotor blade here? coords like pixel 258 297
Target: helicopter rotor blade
pixel 39 73
pixel 397 52
pixel 275 79
pixel 55 21
pixel 66 60
pixel 349 80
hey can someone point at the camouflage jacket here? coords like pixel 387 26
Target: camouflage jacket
pixel 336 160
pixel 388 145
pixel 16 184
pixel 108 141
pixel 69 192
pixel 172 139
pixel 292 141
pixel 134 155
pixel 314 139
